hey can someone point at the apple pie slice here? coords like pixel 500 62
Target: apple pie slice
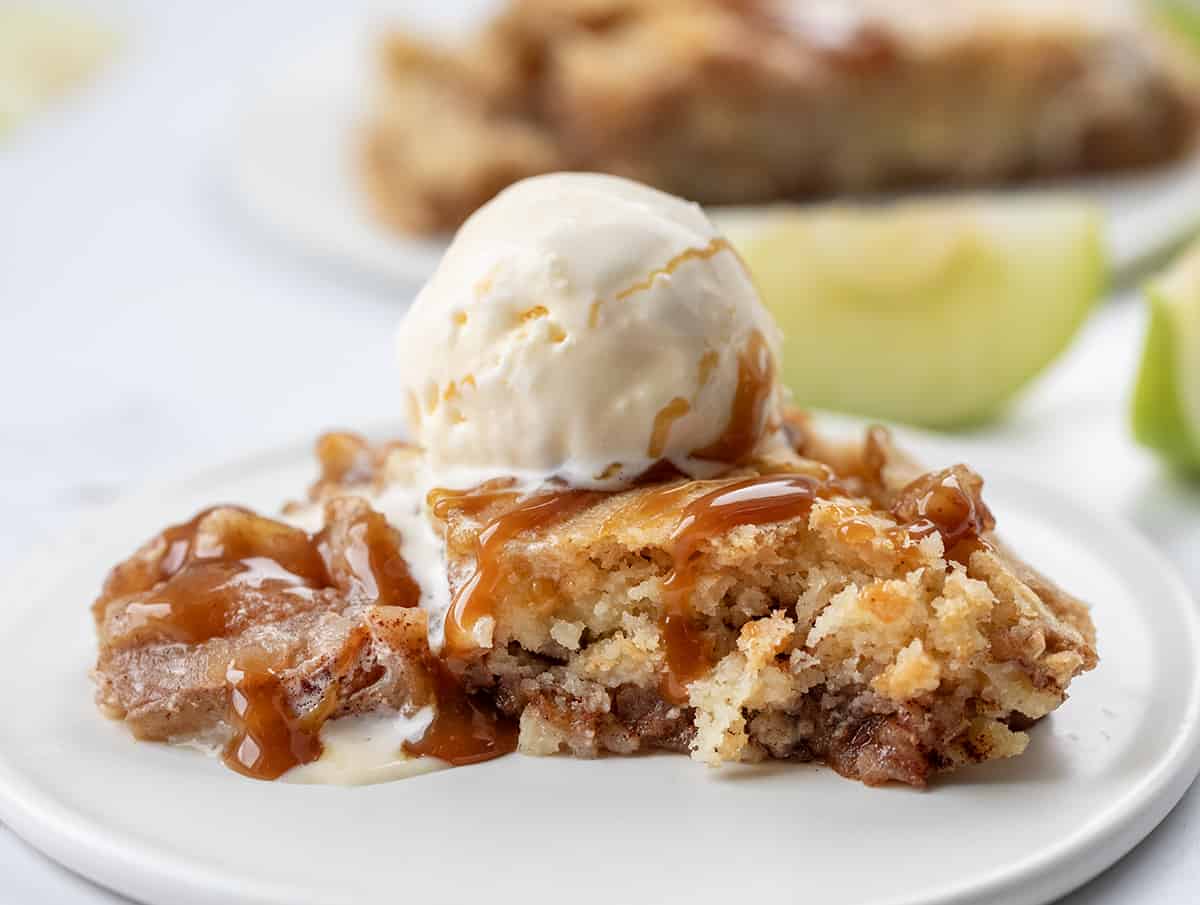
pixel 748 101
pixel 825 602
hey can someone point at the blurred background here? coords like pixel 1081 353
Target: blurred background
pixel 149 325
pixel 185 280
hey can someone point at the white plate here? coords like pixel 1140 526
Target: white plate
pixel 171 826
pixel 296 170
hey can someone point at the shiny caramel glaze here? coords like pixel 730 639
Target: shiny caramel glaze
pixel 269 739
pixel 213 569
pixel 475 598
pixel 949 502
pixel 139 574
pixel 210 564
pixel 370 561
pixel 466 729
pixel 206 566
pixel 752 501
pixel 749 413
pixel 344 458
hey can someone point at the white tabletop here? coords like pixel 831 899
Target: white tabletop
pixel 148 328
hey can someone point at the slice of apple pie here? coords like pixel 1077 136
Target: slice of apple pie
pixel 829 603
pixel 748 101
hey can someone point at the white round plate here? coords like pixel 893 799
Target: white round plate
pixel 171 826
pixel 296 166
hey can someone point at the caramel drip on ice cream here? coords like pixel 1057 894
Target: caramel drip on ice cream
pixel 703 253
pixel 663 422
pixel 749 411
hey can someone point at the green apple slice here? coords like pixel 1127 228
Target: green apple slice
pixel 931 312
pixel 1181 19
pixel 1166 400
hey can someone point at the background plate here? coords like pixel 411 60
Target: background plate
pixel 296 166
pixel 171 826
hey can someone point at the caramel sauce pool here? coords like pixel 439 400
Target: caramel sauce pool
pixel 465 729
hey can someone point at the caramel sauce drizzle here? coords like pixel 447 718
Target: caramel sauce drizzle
pixel 475 598
pixel 137 575
pixel 708 361
pixel 345 458
pixel 269 739
pixel 466 729
pixel 202 575
pixel 945 502
pixel 703 253
pixel 949 502
pixel 376 566
pixel 203 586
pixel 663 422
pixel 749 411
pixel 752 501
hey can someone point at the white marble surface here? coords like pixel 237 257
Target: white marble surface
pixel 147 328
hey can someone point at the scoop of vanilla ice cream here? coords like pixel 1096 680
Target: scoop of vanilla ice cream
pixel 585 327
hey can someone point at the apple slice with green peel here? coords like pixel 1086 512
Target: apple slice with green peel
pixel 1166 400
pixel 1181 19
pixel 931 312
